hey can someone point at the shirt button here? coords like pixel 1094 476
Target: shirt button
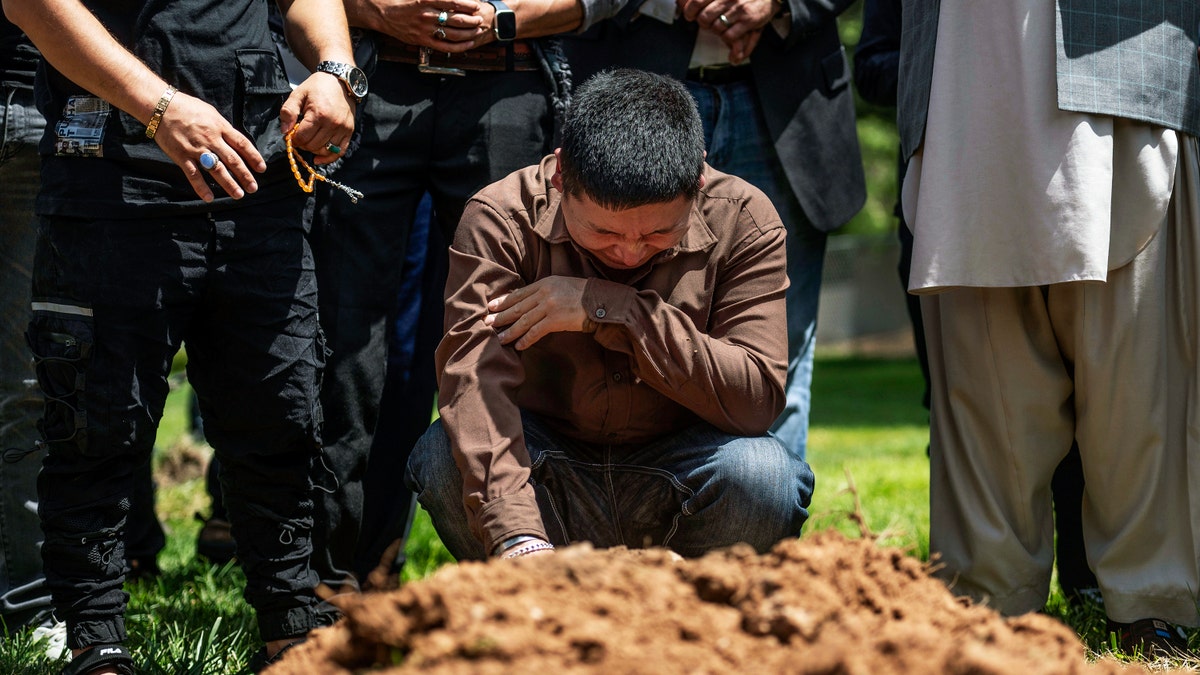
pixel 601 313
pixel 617 377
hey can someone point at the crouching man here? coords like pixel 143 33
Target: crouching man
pixel 616 347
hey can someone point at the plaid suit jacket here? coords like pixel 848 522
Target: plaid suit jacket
pixel 1125 58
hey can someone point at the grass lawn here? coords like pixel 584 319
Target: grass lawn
pixel 867 446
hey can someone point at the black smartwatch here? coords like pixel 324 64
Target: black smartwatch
pixel 352 78
pixel 505 23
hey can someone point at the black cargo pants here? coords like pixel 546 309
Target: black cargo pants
pixel 113 301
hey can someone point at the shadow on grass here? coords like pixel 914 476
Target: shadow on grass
pixel 867 392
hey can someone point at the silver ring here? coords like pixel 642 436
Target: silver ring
pixel 440 33
pixel 724 20
pixel 442 17
pixel 209 161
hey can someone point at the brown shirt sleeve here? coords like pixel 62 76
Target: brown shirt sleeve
pixel 479 378
pixel 731 372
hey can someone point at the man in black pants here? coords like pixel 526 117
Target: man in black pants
pixel 137 253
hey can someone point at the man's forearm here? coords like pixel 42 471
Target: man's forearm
pixel 536 18
pixel 74 41
pixel 317 31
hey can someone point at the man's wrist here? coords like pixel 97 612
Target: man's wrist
pixel 515 547
pixel 504 21
pixel 159 110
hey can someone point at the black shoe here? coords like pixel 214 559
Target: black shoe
pixel 1153 638
pixel 215 540
pixel 260 660
pixel 115 656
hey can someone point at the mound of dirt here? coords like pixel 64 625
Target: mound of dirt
pixel 823 604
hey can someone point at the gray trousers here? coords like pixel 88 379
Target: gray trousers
pixel 1020 373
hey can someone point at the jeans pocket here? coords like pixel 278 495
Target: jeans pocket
pixel 61 337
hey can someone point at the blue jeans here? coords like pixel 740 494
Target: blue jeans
pixel 23 595
pixel 692 491
pixel 739 143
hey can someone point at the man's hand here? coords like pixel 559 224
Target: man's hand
pixel 415 22
pixel 322 110
pixel 191 127
pixel 742 24
pixel 550 305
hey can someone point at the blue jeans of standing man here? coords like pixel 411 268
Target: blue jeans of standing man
pixel 23 595
pixel 692 491
pixel 739 143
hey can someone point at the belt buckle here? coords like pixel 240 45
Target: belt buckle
pixel 424 66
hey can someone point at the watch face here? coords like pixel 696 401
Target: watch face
pixel 357 80
pixel 506 24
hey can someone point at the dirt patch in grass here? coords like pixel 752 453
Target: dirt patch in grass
pixel 823 604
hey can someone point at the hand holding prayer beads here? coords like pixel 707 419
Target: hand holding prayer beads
pixel 313 176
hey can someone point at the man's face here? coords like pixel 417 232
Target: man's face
pixel 628 238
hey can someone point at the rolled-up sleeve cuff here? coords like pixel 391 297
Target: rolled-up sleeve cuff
pixel 511 516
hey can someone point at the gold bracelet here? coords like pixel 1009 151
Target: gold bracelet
pixel 156 118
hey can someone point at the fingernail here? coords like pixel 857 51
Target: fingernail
pixel 238 194
pixel 252 187
pixel 489 319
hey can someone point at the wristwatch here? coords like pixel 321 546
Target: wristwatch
pixel 505 23
pixel 354 79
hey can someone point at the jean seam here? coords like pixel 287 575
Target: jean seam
pixel 666 542
pixel 562 526
pixel 5 153
pixel 612 495
pixel 606 467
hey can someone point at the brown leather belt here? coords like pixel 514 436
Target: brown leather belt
pixel 515 56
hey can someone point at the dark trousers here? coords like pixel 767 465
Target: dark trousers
pixel 446 136
pixel 114 300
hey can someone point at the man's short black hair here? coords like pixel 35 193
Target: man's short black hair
pixel 632 138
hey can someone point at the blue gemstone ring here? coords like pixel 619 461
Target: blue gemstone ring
pixel 209 161
pixel 442 17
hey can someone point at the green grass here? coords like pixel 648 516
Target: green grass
pixel 867 440
pixel 867 447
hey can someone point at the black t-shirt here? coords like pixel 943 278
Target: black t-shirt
pixel 97 159
pixel 18 58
